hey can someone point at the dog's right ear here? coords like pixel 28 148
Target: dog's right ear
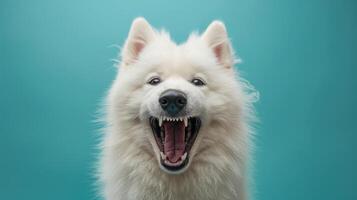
pixel 140 34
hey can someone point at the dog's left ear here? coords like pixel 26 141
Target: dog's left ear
pixel 217 39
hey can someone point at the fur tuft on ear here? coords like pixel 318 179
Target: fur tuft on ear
pixel 140 34
pixel 217 39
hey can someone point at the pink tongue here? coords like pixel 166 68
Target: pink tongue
pixel 174 144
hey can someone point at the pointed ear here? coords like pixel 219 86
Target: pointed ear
pixel 140 34
pixel 217 39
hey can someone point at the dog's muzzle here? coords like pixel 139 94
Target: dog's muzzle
pixel 175 131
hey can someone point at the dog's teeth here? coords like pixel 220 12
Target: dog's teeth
pixel 163 156
pixel 160 121
pixel 185 121
pixel 183 157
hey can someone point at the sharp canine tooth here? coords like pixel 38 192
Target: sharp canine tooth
pixel 185 121
pixel 163 156
pixel 183 157
pixel 160 121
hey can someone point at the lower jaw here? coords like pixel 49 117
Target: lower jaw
pixel 175 169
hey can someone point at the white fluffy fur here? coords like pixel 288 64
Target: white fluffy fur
pixel 218 166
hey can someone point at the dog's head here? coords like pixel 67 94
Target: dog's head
pixel 174 96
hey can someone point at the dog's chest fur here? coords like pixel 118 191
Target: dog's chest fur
pixel 144 181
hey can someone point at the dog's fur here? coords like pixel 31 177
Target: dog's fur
pixel 217 170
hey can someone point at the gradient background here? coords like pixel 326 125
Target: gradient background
pixel 55 67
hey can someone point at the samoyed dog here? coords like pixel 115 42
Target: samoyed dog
pixel 177 119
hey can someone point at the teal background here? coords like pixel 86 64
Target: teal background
pixel 55 68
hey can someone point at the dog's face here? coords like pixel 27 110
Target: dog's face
pixel 176 93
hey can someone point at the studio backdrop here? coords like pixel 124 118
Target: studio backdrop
pixel 58 57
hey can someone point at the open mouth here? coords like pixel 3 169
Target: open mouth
pixel 175 138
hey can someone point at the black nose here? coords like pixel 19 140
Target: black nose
pixel 172 101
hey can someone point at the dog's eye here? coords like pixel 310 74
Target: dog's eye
pixel 198 82
pixel 154 81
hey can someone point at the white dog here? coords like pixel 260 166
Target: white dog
pixel 176 119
